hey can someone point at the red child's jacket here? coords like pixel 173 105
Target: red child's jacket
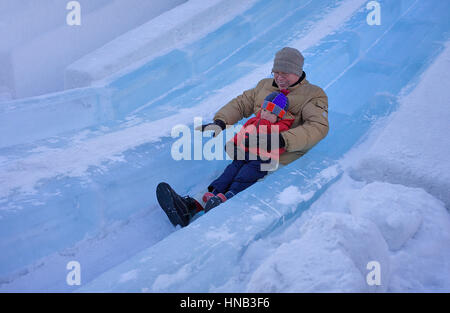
pixel 257 125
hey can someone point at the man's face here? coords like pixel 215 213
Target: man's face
pixel 284 80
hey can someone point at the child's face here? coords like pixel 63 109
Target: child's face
pixel 267 115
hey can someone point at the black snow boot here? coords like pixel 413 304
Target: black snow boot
pixel 193 205
pixel 179 209
pixel 187 207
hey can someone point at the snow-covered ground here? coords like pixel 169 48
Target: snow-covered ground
pixel 373 193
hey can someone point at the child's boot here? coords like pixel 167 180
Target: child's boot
pixel 207 196
pixel 215 201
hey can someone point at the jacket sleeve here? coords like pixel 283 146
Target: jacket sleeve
pixel 313 129
pixel 238 108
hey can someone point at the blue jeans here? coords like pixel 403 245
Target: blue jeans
pixel 237 176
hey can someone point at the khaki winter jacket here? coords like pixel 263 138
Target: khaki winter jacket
pixel 308 106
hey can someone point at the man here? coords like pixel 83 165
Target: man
pixel 308 106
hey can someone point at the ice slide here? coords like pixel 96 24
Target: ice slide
pixel 84 189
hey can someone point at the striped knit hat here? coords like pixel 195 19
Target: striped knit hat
pixel 277 103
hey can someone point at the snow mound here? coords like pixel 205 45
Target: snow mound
pixel 422 265
pixel 415 225
pixel 395 209
pixel 331 255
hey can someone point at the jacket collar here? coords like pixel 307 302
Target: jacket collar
pixel 302 80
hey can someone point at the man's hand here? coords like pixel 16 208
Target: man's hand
pixel 264 141
pixel 217 127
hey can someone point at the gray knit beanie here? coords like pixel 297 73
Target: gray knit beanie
pixel 288 60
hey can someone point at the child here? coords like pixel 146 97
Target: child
pixel 245 170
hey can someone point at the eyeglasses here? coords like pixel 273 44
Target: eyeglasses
pixel 284 75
